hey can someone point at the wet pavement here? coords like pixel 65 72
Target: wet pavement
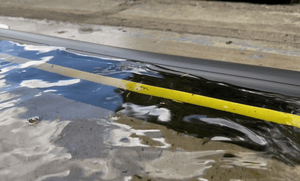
pixel 90 131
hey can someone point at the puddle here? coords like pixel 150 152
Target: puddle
pixel 91 131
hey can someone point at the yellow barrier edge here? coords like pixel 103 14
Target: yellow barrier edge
pixel 178 96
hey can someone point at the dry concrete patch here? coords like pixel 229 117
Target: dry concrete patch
pixel 276 26
pixel 260 53
pixel 261 35
pixel 238 20
pixel 67 5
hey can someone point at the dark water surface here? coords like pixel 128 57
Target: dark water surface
pixel 98 132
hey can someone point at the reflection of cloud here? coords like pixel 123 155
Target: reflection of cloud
pixel 196 119
pixel 3 84
pixel 92 146
pixel 30 146
pixel 142 112
pixel 220 138
pixel 9 103
pixel 117 137
pixel 27 151
pixel 26 65
pixel 50 90
pixel 3 26
pixel 40 48
pixel 36 83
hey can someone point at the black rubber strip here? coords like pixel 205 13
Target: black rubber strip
pixel 262 78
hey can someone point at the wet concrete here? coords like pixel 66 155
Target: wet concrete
pixel 140 137
pixel 93 146
pixel 77 139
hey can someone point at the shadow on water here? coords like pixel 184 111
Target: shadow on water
pixel 278 141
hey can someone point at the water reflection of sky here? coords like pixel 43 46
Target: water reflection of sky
pixel 83 91
pixel 278 141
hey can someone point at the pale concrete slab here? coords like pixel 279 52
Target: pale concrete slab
pixel 259 53
pixel 251 24
pixel 76 6
pixel 273 23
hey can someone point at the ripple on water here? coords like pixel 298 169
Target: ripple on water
pixel 96 132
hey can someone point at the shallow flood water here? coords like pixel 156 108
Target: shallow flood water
pixel 91 131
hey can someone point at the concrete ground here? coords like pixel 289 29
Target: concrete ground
pixel 263 35
pixel 78 140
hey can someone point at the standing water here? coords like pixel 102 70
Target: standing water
pixel 58 127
